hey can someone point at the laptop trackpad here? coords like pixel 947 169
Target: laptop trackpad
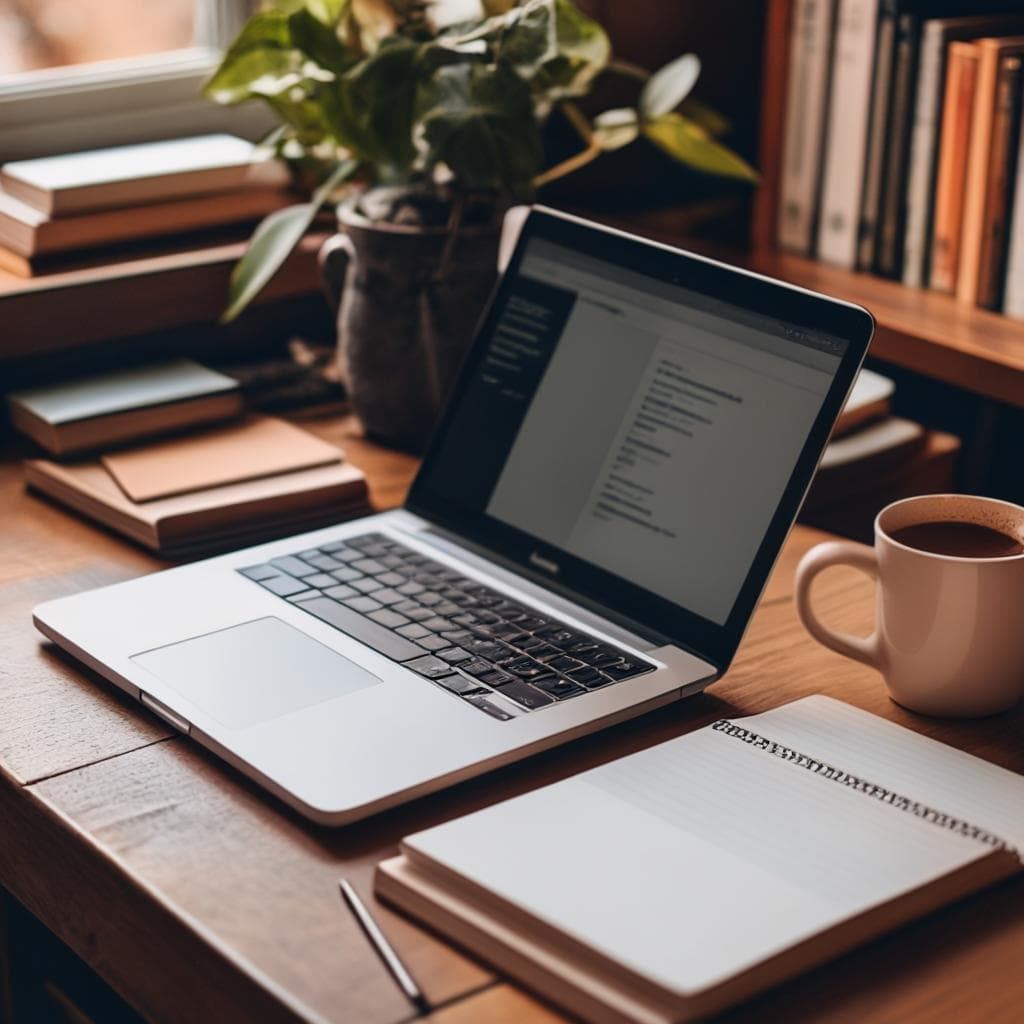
pixel 257 671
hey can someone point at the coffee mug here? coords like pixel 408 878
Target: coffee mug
pixel 949 602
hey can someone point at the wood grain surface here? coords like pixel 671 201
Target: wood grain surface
pixel 198 897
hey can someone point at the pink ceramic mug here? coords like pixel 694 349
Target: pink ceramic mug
pixel 949 629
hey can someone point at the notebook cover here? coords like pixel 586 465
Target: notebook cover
pixel 256 447
pixel 105 393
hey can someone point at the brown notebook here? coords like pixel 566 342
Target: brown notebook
pixel 954 140
pixel 220 515
pixel 977 182
pixel 251 449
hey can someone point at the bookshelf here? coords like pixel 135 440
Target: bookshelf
pixel 919 330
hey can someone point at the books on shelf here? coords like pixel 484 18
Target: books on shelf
pixel 53 210
pixel 710 867
pixel 912 172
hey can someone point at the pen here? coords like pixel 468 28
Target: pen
pixel 384 948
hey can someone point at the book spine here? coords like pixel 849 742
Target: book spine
pixel 889 254
pixel 879 141
pixel 849 110
pixel 923 155
pixel 806 98
pixel 1002 166
pixel 1013 300
pixel 976 182
pixel 955 135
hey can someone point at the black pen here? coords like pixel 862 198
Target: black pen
pixel 384 948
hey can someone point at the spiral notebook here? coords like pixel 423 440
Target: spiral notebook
pixel 671 883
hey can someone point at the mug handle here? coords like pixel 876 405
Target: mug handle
pixel 836 552
pixel 333 259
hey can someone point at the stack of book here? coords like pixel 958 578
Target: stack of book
pixel 183 492
pixel 59 211
pixel 902 146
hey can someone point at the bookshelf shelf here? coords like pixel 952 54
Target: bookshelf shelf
pixel 924 331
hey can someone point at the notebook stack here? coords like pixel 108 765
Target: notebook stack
pixel 166 455
pixel 63 211
pixel 902 143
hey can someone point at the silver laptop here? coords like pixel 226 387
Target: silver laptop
pixel 616 470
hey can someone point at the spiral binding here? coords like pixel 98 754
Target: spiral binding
pixel 844 778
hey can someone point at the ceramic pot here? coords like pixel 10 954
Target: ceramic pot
pixel 408 300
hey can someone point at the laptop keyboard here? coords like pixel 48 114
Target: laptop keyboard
pixel 464 636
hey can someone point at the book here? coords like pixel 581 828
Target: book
pixel 27 232
pixel 976 183
pixel 123 405
pixel 182 514
pixel 1002 166
pixel 674 882
pixel 810 47
pixel 133 175
pixel 878 140
pixel 869 400
pixel 892 206
pixel 1013 298
pixel 848 117
pixel 936 35
pixel 954 143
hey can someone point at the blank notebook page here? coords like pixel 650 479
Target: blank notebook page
pixel 704 855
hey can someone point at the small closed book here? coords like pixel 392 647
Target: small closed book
pixel 124 405
pixel 223 488
pixel 28 233
pixel 676 881
pixel 146 173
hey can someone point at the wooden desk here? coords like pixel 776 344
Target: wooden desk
pixel 198 898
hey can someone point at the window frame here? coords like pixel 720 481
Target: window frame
pixel 136 99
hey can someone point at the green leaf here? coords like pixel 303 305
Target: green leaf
pixel 262 53
pixel 710 120
pixel 583 50
pixel 375 106
pixel 273 240
pixel 690 144
pixel 667 88
pixel 319 42
pixel 616 128
pixel 478 120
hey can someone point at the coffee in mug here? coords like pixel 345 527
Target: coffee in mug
pixel 949 606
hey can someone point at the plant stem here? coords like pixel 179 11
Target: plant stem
pixel 627 68
pixel 592 151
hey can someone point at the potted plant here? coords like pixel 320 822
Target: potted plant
pixel 425 119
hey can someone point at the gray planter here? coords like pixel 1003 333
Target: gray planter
pixel 407 310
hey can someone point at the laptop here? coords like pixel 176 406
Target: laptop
pixel 617 467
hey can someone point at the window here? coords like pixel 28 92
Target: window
pixel 82 74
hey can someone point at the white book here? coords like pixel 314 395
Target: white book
pixel 806 94
pixel 847 129
pixel 132 175
pixel 1013 301
pixel 675 881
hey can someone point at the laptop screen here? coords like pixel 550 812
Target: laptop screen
pixel 632 422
